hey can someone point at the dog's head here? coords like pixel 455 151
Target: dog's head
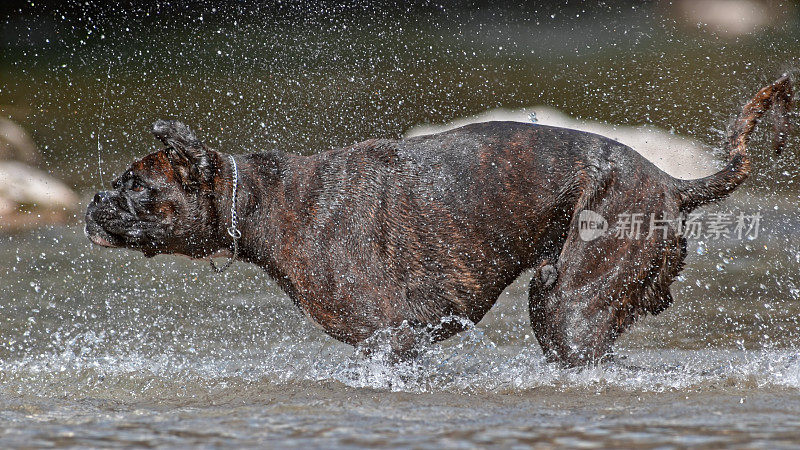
pixel 163 203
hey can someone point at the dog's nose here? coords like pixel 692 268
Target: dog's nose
pixel 101 196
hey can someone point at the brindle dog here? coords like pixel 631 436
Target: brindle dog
pixel 415 235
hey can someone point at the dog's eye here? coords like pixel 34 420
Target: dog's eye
pixel 137 186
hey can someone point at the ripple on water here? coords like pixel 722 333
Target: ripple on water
pixel 469 364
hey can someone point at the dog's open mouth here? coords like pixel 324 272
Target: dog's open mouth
pixel 101 241
pixel 98 236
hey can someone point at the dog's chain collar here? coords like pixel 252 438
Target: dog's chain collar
pixel 233 231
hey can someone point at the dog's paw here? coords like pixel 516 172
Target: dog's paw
pixel 548 275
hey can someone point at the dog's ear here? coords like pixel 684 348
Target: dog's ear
pixel 190 156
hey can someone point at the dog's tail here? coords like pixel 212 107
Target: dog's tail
pixel 777 95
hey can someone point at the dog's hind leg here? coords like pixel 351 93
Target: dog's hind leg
pixel 603 284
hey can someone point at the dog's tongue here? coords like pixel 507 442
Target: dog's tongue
pixel 99 240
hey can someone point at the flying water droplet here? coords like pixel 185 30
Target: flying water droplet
pixel 702 249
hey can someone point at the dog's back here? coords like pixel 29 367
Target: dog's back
pixel 437 226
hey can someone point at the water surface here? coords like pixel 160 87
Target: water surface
pixel 104 347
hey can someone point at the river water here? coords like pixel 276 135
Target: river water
pixel 104 348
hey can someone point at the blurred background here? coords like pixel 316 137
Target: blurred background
pixel 308 76
pixel 82 82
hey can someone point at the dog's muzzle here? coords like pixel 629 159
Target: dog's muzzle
pixel 93 230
